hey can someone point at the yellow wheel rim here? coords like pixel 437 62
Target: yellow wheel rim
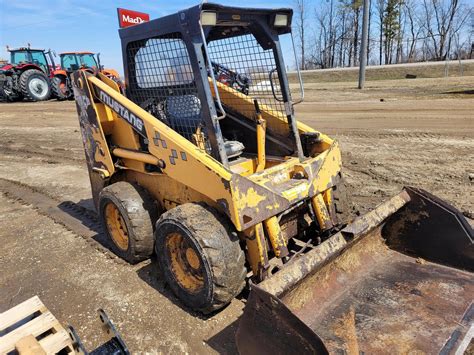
pixel 185 263
pixel 116 226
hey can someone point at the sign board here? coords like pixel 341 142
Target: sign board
pixel 129 18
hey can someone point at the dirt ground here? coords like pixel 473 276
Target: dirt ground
pixel 395 133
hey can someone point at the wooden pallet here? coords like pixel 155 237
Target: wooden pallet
pixel 31 328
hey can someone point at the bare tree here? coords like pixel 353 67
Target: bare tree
pixel 443 19
pixel 380 7
pixel 343 35
pixel 301 24
pixel 413 23
pixel 369 29
pixel 399 31
pixel 356 6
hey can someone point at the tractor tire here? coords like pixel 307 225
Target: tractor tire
pixel 8 94
pixel 128 214
pixel 60 88
pixel 13 98
pixel 200 256
pixel 35 85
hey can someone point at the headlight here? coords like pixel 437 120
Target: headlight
pixel 281 20
pixel 208 18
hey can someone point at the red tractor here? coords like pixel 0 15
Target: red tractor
pixel 27 75
pixel 69 63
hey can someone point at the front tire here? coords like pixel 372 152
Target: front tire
pixel 128 213
pixel 60 88
pixel 35 85
pixel 200 256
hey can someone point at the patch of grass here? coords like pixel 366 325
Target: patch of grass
pixel 408 72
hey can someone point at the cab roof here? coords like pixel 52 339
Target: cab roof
pixel 190 18
pixel 25 49
pixel 64 53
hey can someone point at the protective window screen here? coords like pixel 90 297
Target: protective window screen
pixel 241 63
pixel 161 81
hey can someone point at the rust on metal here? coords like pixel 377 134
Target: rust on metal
pixel 397 280
pixel 350 300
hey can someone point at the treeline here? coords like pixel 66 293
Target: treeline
pixel 328 32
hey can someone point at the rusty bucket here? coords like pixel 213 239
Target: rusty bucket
pixel 396 280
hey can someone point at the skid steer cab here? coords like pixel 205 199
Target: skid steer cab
pixel 203 162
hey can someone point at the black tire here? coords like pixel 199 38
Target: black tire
pixel 60 88
pixel 39 92
pixel 213 240
pixel 139 213
pixel 10 95
pixel 4 97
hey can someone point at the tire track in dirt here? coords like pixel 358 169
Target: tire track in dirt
pixel 41 153
pixel 77 219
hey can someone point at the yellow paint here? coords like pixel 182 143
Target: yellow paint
pixel 201 178
pixel 244 168
pixel 261 128
pixel 276 239
pixel 252 198
pixel 135 155
pixel 184 263
pixel 257 253
pixel 327 195
pixel 101 155
pixel 276 120
pixel 321 211
pixel 116 226
pixel 298 192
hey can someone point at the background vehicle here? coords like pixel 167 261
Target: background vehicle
pixel 213 177
pixel 70 62
pixel 27 75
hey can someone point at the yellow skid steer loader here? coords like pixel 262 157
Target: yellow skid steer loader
pixel 203 162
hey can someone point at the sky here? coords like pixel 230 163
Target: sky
pixel 91 25
pixel 87 25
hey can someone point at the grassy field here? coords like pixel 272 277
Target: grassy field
pixel 389 72
pixel 386 90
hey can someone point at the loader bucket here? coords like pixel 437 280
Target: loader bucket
pixel 396 280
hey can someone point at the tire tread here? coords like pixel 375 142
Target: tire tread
pixel 141 213
pixel 24 77
pixel 221 247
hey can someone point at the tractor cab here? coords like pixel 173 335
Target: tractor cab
pixel 72 61
pixel 24 55
pixel 27 75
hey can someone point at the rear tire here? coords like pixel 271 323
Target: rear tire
pixel 10 95
pixel 60 88
pixel 128 213
pixel 200 256
pixel 35 85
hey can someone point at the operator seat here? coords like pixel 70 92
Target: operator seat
pixel 184 115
